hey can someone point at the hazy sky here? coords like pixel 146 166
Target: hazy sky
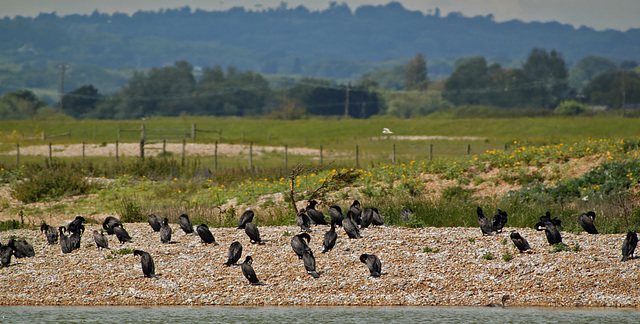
pixel 598 14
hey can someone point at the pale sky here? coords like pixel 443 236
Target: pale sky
pixel 597 14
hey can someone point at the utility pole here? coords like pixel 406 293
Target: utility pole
pixel 64 67
pixel 346 104
pixel 623 96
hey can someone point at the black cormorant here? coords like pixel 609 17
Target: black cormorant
pixel 376 218
pixel 298 244
pixel 303 220
pixel 504 299
pixel 6 252
pixel 366 217
pixel 350 227
pixel 520 242
pixel 247 271
pixel 21 248
pixel 550 231
pixel 356 212
pixel 165 231
pixel 316 216
pixel 499 220
pixel 76 225
pixel 310 262
pixel 185 224
pixel 122 234
pixel 102 241
pixel 253 233
pixel 65 241
pixel 586 221
pixel 155 222
pixel 246 217
pixel 629 245
pixel 335 215
pixel 485 223
pixel 75 238
pixel 50 232
pixel 109 223
pixel 373 263
pixel 148 268
pixel 235 252
pixel 329 238
pixel 205 234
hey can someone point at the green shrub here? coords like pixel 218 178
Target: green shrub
pixel 570 108
pixel 488 256
pixel 507 256
pixel 130 210
pixel 10 225
pixel 51 182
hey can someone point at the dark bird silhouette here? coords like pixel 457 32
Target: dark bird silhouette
pixel 303 220
pixel 350 227
pixel 520 242
pixel 205 234
pixel 246 217
pixel 76 225
pixel 6 252
pixel 109 223
pixel 165 231
pixel 235 252
pixel 122 234
pixel 356 212
pixel 504 299
pixel 550 231
pixel 185 224
pixel 316 216
pixel 629 245
pixel 50 232
pixel 298 244
pixel 485 223
pixel 21 248
pixel 148 268
pixel 65 241
pixel 310 262
pixel 547 218
pixel 102 241
pixel 405 214
pixel 248 272
pixel 335 214
pixel 330 238
pixel 586 221
pixel 499 220
pixel 376 218
pixel 155 222
pixel 253 233
pixel 373 263
pixel 75 239
pixel 366 217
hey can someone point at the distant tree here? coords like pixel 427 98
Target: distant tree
pixel 468 83
pixel 507 88
pixel 415 73
pixel 390 79
pixel 547 75
pixel 628 65
pixel 81 101
pixel 587 68
pixel 606 89
pixel 20 104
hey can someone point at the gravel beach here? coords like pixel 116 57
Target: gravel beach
pixel 454 274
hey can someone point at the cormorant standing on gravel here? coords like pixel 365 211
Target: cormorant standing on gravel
pixel 76 225
pixel 122 234
pixel 253 233
pixel 148 268
pixel 550 231
pixel 316 216
pixel 499 220
pixel 376 218
pixel 50 232
pixel 165 231
pixel 335 214
pixel 330 238
pixel 155 222
pixel 110 223
pixel 356 212
pixel 629 245
pixel 101 240
pixel 520 242
pixel 21 248
pixel 366 217
pixel 298 244
pixel 6 252
pixel 205 234
pixel 485 223
pixel 586 221
pixel 303 220
pixel 65 241
pixel 185 224
pixel 235 252
pixel 247 271
pixel 350 227
pixel 373 263
pixel 310 262
pixel 246 217
pixel 75 239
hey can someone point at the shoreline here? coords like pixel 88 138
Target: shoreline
pixel 192 274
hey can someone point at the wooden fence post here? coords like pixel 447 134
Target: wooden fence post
pixel 142 149
pixel 143 133
pixel 184 150
pixel 117 143
pixel 119 131
pixel 468 149
pixel 393 156
pixel 164 148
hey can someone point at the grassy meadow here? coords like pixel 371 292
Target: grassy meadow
pixel 535 157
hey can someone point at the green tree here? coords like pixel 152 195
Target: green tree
pixel 587 68
pixel 570 108
pixel 81 101
pixel 467 84
pixel 415 73
pixel 547 75
pixel 606 89
pixel 20 104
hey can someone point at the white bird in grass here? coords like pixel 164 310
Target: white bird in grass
pixel 386 131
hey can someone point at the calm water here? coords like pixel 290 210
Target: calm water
pixel 313 314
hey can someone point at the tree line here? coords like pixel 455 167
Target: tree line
pixel 543 82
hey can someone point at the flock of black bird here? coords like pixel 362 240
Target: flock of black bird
pixel 69 237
